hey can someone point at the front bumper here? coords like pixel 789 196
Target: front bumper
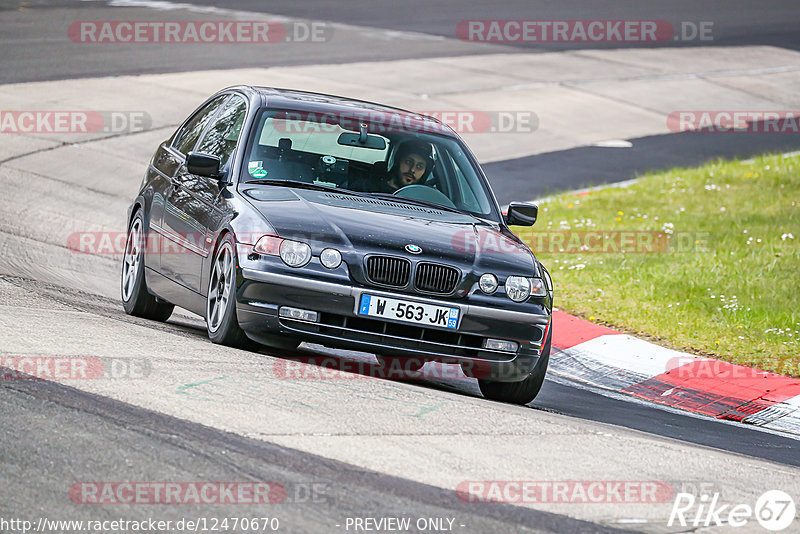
pixel 261 294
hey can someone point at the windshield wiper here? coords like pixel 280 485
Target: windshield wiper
pixel 302 185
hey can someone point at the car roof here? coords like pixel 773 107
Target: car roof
pixel 325 103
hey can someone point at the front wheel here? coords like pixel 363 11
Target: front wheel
pixel 136 300
pixel 520 392
pixel 221 322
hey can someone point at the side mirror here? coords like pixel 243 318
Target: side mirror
pixel 521 214
pixel 203 164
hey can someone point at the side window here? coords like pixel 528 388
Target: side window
pixel 467 185
pixel 188 136
pixel 221 138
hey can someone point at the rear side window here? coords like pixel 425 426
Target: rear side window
pixel 190 133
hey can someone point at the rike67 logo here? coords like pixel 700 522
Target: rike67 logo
pixel 774 510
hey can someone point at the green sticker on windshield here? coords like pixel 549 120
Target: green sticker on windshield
pixel 258 173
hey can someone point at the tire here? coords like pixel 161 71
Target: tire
pixel 136 300
pixel 221 322
pixel 524 391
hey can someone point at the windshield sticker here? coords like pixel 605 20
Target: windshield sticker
pixel 253 165
pixel 258 173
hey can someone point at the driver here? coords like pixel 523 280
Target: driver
pixel 412 162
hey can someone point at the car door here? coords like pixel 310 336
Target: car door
pixel 169 158
pixel 192 210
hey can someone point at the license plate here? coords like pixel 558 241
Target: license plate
pixel 408 312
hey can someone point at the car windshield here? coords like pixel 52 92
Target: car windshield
pixel 371 156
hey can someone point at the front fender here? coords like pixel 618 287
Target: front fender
pixel 245 223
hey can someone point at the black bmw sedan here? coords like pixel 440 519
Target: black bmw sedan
pixel 284 216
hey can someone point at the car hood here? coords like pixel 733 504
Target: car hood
pixel 359 225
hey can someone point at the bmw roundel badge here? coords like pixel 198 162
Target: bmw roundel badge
pixel 414 249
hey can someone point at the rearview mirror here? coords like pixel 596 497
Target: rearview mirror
pixel 203 164
pixel 521 214
pixel 374 142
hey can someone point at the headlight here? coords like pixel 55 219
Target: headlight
pixel 294 253
pixel 488 283
pixel 330 258
pixel 518 288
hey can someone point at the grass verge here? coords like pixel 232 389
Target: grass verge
pixel 705 260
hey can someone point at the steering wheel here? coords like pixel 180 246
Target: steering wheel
pixel 426 193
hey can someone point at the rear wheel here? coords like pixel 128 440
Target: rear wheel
pixel 136 300
pixel 524 391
